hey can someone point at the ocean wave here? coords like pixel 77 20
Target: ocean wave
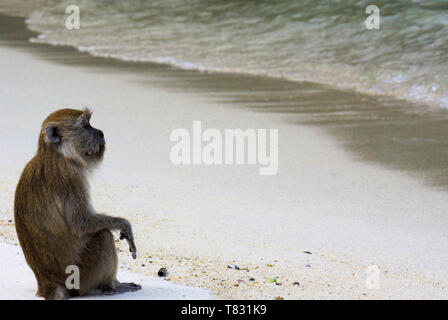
pixel 315 41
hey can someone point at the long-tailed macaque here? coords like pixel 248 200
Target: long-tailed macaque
pixel 56 225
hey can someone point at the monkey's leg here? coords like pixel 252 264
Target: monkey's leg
pixel 53 292
pixel 98 267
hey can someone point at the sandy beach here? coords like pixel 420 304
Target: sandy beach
pixel 18 283
pixel 315 227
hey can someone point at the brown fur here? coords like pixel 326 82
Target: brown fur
pixel 55 223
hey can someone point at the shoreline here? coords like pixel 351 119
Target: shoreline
pixel 381 130
pixel 388 83
pixel 197 220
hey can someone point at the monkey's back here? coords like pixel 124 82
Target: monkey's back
pixel 45 198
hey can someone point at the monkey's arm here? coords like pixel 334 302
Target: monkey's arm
pixel 94 222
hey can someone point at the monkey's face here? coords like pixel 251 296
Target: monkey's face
pixel 75 138
pixel 88 141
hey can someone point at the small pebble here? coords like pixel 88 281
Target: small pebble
pixel 163 272
pixel 279 298
pixel 233 266
pixel 307 252
pixel 297 283
pixel 251 279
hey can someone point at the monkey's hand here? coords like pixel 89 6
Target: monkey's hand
pixel 126 233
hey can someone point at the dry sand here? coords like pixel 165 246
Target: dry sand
pixel 195 220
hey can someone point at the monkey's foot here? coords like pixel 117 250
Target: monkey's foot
pixel 122 288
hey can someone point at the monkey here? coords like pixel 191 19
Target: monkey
pixel 55 222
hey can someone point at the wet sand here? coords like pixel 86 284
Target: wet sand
pixel 338 193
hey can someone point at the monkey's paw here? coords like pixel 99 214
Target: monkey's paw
pixel 123 288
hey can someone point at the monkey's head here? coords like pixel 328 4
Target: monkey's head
pixel 68 132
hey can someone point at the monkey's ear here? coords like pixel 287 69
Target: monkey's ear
pixel 52 135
